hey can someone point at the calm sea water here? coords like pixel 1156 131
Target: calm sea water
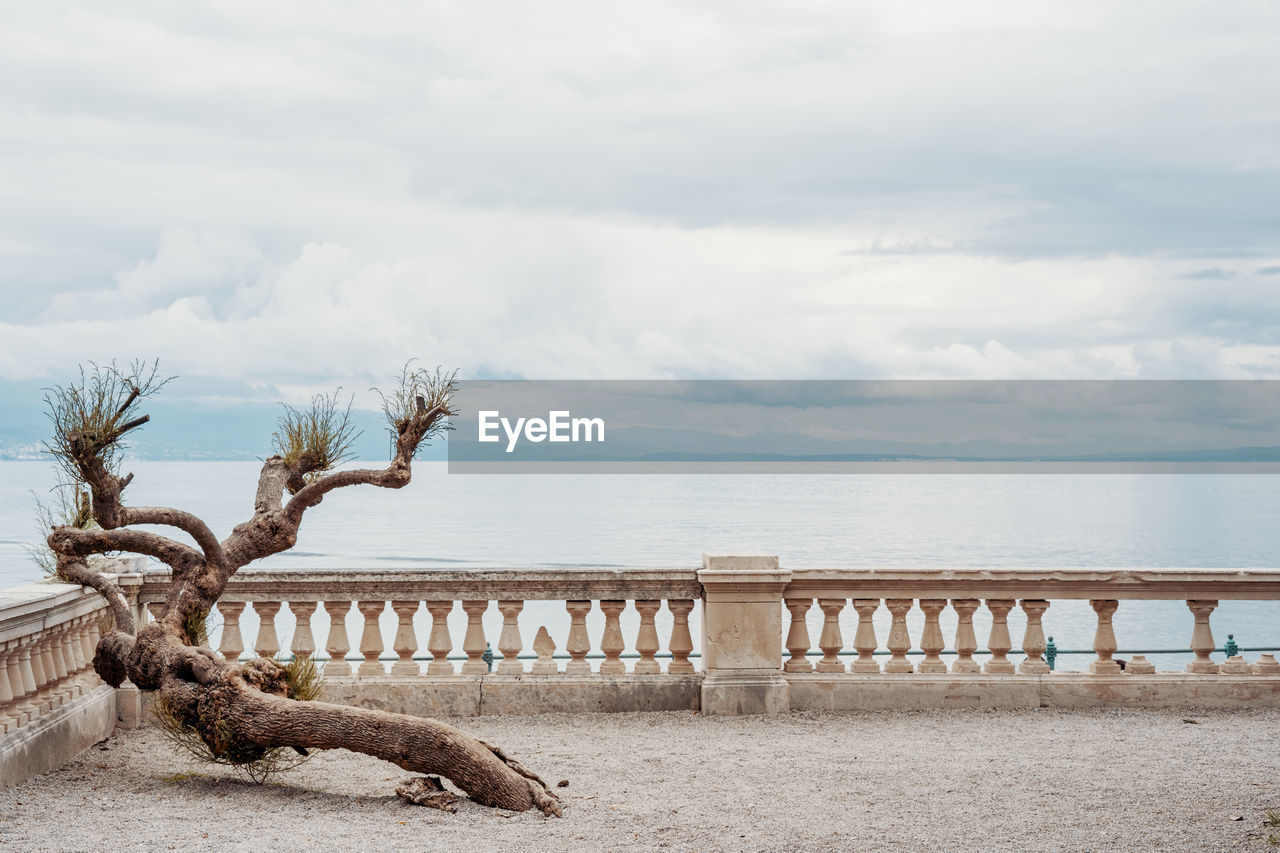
pixel 830 520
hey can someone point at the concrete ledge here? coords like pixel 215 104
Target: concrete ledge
pixel 1162 690
pixel 57 737
pixel 823 692
pixel 1061 690
pixel 469 696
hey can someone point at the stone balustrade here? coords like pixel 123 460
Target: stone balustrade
pixel 52 703
pixel 47 636
pixel 355 603
pixel 1000 591
pixel 627 640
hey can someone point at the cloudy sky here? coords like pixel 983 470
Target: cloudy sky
pixel 278 198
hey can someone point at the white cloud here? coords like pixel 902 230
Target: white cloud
pixel 302 195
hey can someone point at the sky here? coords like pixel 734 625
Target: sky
pixel 276 199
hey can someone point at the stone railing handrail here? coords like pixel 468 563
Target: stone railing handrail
pixel 1038 583
pixel 493 584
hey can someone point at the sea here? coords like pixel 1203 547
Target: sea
pixel 808 520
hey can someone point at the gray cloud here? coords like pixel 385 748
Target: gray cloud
pixel 791 191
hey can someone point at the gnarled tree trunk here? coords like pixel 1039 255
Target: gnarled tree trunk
pixel 247 705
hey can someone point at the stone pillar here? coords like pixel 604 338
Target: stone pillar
pixel 681 643
pixel 371 638
pixel 1104 640
pixel 8 720
pixel 232 644
pixel 1202 638
pixel 899 641
pixel 268 643
pixel 579 643
pixel 439 643
pixel 304 642
pixel 509 642
pixel 337 644
pixel 966 640
pixel 647 639
pixel 611 642
pixel 1033 639
pixel 798 641
pixel 405 643
pixel 999 643
pixel 830 640
pixel 931 642
pixel 473 642
pixel 864 638
pixel 742 635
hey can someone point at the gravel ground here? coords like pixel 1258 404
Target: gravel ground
pixel 922 780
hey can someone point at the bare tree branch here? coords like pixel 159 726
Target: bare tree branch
pixel 76 570
pixel 75 542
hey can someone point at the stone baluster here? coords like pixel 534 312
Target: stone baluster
pixel 8 720
pixel 95 634
pixel 509 641
pixel 1202 638
pixel 999 643
pixel 268 643
pixel 798 642
pixel 232 643
pixel 89 645
pixel 337 644
pixel 473 641
pixel 35 663
pixel 579 643
pixel 647 639
pixel 304 642
pixel 830 640
pixel 76 660
pixel 65 662
pixel 20 710
pixel 966 640
pixel 57 651
pixel 899 642
pixel 371 638
pixel 439 643
pixel 54 667
pixel 26 677
pixel 611 642
pixel 931 642
pixel 405 643
pixel 681 643
pixel 1033 643
pixel 1104 639
pixel 48 643
pixel 864 638
pixel 545 647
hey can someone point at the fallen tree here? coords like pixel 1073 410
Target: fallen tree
pixel 242 712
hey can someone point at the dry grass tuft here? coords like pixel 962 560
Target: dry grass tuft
pixel 318 438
